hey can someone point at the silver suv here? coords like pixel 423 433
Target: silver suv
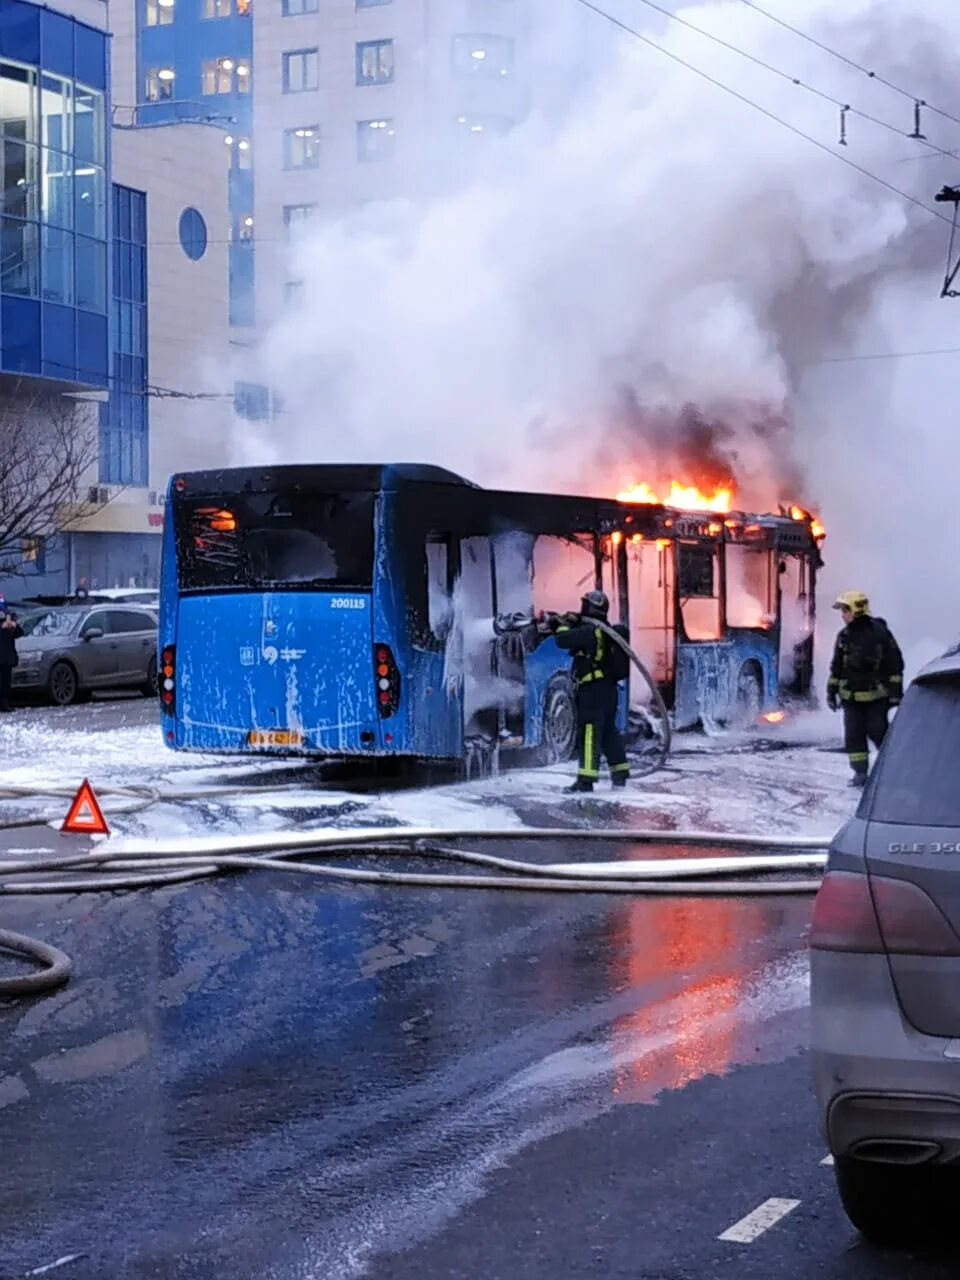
pixel 885 968
pixel 67 652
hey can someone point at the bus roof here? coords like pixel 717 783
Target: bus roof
pixel 336 476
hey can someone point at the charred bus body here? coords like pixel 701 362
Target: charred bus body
pixel 349 611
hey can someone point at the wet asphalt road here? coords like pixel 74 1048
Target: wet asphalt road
pixel 260 1078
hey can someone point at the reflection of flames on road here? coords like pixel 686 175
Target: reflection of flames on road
pixel 705 939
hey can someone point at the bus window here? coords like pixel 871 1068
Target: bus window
pixel 698 587
pixel 564 569
pixel 275 540
pixel 751 586
pixel 652 630
pixel 475 610
pixel 439 584
pixel 513 558
pixel 796 626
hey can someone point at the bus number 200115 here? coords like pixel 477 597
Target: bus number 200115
pixel 348 602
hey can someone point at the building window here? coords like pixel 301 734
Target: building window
pixel 301 70
pixel 225 75
pixel 193 234
pixel 295 216
pixel 486 56
pixel 159 13
pixel 375 139
pixel 216 8
pixel 301 147
pixel 294 8
pixel 159 84
pixel 251 401
pixel 293 292
pixel 123 419
pixel 375 62
pixel 485 126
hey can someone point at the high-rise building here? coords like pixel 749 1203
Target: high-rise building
pixel 325 105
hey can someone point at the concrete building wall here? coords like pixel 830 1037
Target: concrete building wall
pixel 431 104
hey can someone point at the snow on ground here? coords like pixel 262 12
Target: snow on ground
pixel 786 779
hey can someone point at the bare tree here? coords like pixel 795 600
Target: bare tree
pixel 48 444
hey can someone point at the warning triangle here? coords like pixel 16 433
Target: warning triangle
pixel 85 817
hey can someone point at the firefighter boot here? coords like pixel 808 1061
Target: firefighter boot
pixel 581 784
pixel 619 780
pixel 859 780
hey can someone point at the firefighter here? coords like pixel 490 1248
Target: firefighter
pixel 595 673
pixel 866 679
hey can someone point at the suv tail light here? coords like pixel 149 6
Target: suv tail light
pixel 853 912
pixel 167 680
pixel 386 680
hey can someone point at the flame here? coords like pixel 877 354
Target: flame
pixel 775 717
pixel 817 529
pixel 683 497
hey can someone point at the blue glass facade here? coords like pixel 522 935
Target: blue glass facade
pixel 124 442
pixel 195 62
pixel 53 225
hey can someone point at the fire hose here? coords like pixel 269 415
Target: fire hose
pixel 505 624
pixel 135 864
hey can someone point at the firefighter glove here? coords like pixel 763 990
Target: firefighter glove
pixel 833 702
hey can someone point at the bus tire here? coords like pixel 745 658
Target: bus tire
pixel 749 702
pixel 559 739
pixel 150 688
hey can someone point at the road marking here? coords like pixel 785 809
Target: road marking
pixel 827 1160
pixel 762 1218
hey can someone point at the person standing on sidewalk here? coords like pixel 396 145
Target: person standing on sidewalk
pixel 10 633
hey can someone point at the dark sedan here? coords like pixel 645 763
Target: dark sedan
pixel 69 651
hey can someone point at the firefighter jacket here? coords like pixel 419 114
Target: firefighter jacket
pixel 588 645
pixel 867 664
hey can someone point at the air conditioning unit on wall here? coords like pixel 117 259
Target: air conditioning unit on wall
pixel 98 495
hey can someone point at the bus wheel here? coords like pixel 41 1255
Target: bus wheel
pixel 559 721
pixel 749 696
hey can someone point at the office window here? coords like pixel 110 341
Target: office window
pixel 375 139
pixel 293 8
pixel 375 62
pixel 216 8
pixel 301 147
pixel 124 419
pixel 159 13
pixel 484 56
pixel 225 75
pixel 485 126
pixel 159 84
pixel 301 70
pixel 295 216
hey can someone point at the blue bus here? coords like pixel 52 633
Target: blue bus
pixel 350 611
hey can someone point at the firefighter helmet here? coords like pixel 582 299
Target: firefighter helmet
pixel 595 605
pixel 855 601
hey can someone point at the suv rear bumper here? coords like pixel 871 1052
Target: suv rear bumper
pixel 886 1091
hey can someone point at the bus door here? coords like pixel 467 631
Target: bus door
pixel 795 611
pixel 436 717
pixel 513 581
pixel 473 663
pixel 706 684
pixel 651 589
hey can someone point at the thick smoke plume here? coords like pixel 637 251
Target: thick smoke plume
pixel 650 278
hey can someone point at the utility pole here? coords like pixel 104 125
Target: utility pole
pixel 951 195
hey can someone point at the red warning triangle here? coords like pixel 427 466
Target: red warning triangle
pixel 85 817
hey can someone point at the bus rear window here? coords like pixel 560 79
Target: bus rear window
pixel 275 541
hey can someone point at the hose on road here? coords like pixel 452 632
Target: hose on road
pixel 55 974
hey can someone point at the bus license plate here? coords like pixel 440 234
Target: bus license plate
pixel 274 738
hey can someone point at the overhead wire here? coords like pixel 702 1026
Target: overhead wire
pixel 764 111
pixel 844 107
pixel 851 62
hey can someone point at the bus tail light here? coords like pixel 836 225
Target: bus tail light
pixel 386 680
pixel 168 679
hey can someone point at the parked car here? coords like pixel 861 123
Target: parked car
pixel 67 652
pixel 885 968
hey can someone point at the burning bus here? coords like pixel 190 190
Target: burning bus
pixel 350 610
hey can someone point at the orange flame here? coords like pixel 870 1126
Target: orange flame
pixel 683 497
pixel 775 717
pixel 817 529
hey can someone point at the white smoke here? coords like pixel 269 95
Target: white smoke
pixel 646 237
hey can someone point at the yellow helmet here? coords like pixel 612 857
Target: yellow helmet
pixel 855 601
